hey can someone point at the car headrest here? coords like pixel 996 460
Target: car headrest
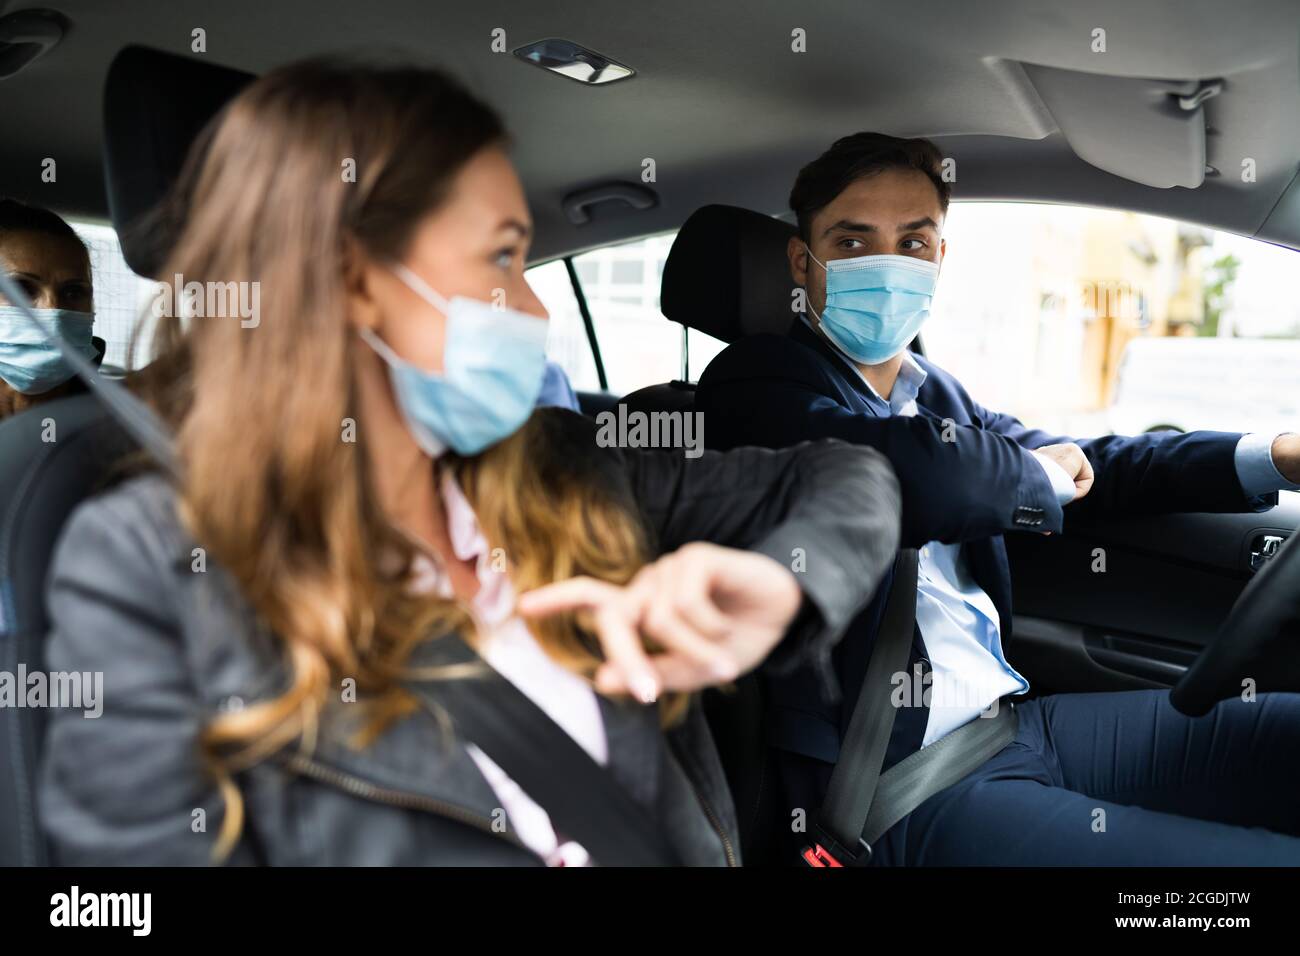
pixel 727 274
pixel 155 106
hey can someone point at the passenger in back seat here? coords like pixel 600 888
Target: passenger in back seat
pixel 368 496
pixel 50 263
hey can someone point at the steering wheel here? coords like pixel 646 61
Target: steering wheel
pixel 1260 639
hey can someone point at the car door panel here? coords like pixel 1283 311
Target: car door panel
pixel 1130 602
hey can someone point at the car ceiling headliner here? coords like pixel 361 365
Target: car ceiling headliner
pixel 720 102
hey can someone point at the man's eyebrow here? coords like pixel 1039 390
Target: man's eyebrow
pixel 25 275
pixel 845 225
pixel 918 224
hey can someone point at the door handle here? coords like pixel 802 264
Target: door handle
pixel 1264 549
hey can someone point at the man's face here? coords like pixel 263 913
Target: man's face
pixel 892 212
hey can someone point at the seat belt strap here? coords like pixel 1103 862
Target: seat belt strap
pixel 861 803
pixel 857 772
pixel 581 797
pixel 917 777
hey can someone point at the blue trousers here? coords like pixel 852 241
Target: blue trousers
pixel 1121 779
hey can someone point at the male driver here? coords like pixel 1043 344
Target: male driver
pixel 1174 790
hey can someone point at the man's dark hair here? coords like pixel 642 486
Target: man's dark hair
pixel 855 157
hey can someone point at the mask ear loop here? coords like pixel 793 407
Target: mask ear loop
pixel 807 297
pixel 383 348
pixel 421 288
pixel 808 249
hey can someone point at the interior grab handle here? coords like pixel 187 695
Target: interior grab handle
pixel 577 205
pixel 26 36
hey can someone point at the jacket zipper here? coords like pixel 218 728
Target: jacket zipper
pixel 399 798
pixel 716 825
pixel 713 822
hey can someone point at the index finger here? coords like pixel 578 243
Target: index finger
pixel 570 595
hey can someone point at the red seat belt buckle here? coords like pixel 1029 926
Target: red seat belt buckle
pixel 819 856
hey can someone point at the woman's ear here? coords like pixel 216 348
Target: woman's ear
pixel 363 311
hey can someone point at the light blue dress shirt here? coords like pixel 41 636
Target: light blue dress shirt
pixel 556 389
pixel 957 619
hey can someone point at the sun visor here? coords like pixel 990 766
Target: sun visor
pixel 1149 131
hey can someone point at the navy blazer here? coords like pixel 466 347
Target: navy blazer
pixel 966 475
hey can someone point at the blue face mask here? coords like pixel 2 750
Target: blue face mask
pixel 29 363
pixel 875 305
pixel 494 361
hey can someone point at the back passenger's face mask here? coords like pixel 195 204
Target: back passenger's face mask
pixel 28 362
pixel 493 363
pixel 875 305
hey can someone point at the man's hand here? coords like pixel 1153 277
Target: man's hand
pixel 1286 456
pixel 710 613
pixel 1071 457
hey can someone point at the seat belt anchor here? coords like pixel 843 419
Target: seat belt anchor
pixel 818 855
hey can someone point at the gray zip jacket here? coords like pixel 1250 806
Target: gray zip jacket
pixel 178 647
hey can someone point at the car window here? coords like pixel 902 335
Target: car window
pixel 566 338
pixel 120 295
pixel 638 346
pixel 1088 321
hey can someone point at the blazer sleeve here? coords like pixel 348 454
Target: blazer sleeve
pixel 827 510
pixel 959 482
pixel 1154 473
pixel 125 787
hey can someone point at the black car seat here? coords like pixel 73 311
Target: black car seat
pixel 54 456
pixel 51 458
pixel 727 276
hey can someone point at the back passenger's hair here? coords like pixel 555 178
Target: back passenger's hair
pixel 16 216
pixel 855 157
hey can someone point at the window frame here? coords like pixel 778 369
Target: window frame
pixel 588 319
